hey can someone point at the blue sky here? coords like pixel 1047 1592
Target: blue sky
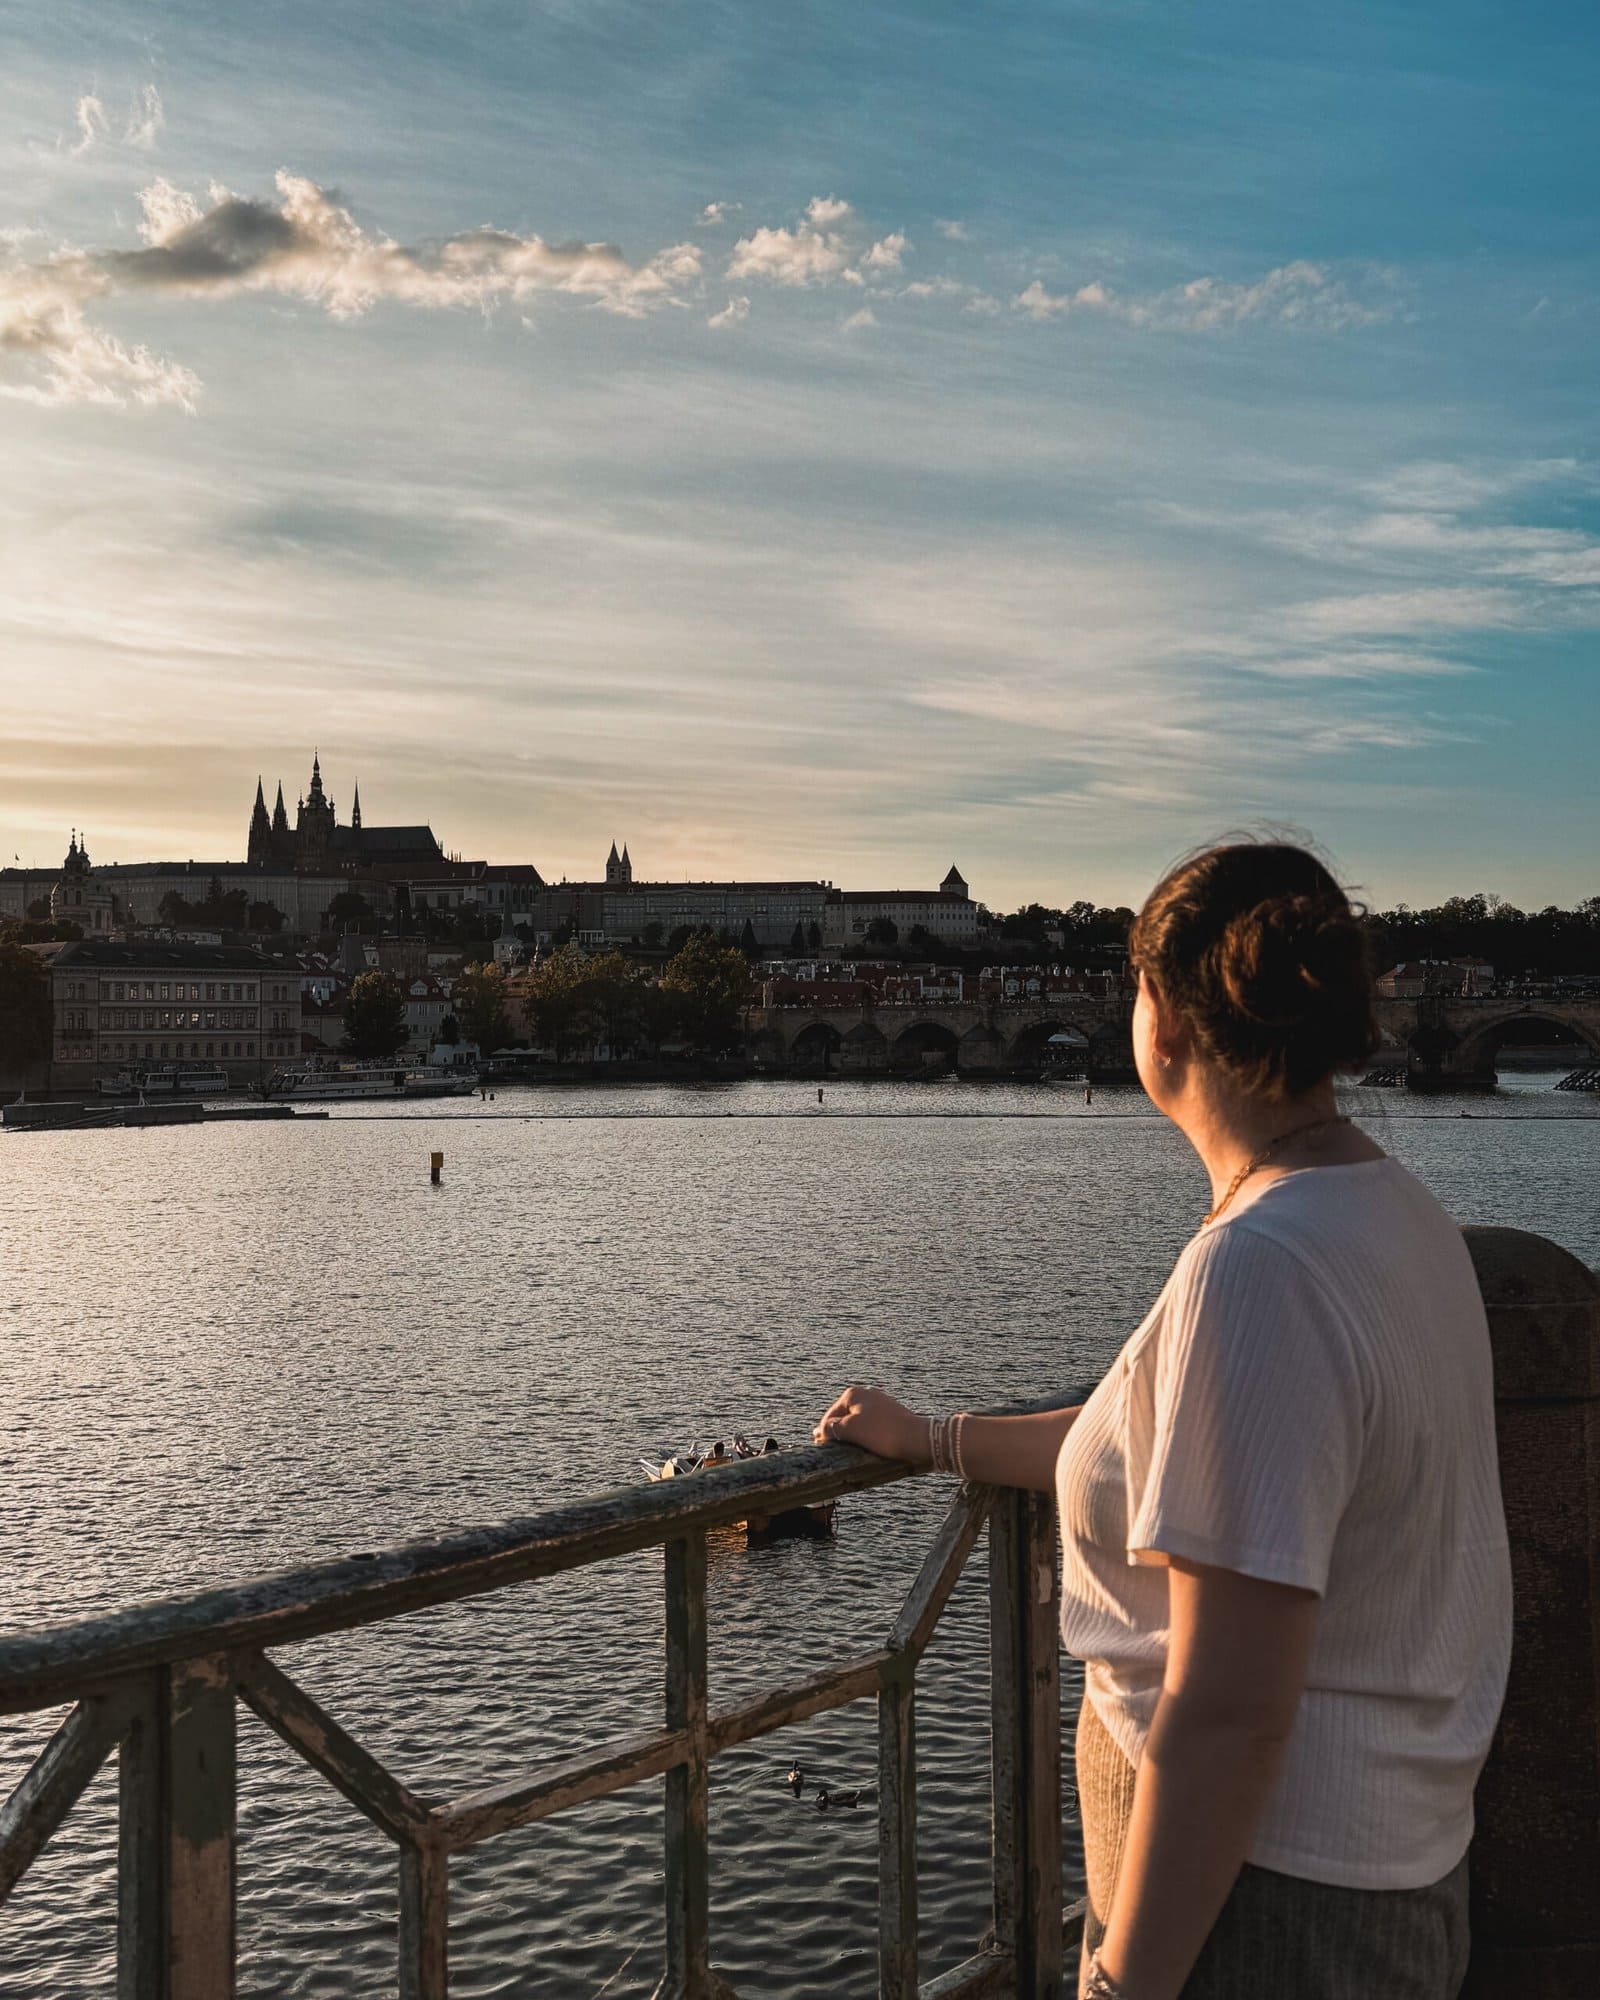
pixel 830 441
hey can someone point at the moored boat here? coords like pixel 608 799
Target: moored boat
pixel 331 1082
pixel 785 1523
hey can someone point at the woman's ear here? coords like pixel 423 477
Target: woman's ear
pixel 1169 1032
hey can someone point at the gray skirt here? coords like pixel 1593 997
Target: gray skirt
pixel 1279 1937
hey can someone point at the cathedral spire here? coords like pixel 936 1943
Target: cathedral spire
pixel 316 778
pixel 258 852
pixel 355 810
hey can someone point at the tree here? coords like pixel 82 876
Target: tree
pixel 374 1016
pixel 347 909
pixel 265 917
pixel 480 1001
pixel 712 982
pixel 43 932
pixel 25 1023
pixel 449 1031
pixel 813 937
pixel 653 933
pixel 882 930
pixel 39 909
pixel 558 999
pixel 174 911
pixel 749 943
pixel 797 941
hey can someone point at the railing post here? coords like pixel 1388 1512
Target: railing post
pixel 897 1833
pixel 688 1863
pixel 177 1841
pixel 424 1921
pixel 1024 1601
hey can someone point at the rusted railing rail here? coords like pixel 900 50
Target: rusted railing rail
pixel 158 1686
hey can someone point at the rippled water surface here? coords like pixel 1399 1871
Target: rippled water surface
pixel 233 1348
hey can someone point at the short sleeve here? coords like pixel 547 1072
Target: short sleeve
pixel 1255 1416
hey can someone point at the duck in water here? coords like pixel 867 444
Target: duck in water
pixel 797 1779
pixel 835 1800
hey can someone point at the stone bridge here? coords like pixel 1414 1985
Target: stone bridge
pixel 919 1037
pixel 1439 1042
pixel 1449 1043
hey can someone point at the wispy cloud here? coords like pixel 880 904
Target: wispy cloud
pixel 92 123
pixel 716 212
pixel 146 119
pixel 734 313
pixel 141 128
pixel 1300 294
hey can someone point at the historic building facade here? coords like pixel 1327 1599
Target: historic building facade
pixel 136 1006
pixel 947 913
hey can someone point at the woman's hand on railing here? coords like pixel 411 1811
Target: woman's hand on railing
pixel 876 1421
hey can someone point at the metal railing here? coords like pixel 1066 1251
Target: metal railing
pixel 158 1686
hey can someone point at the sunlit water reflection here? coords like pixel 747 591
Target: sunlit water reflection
pixel 232 1348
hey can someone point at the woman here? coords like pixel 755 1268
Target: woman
pixel 1285 1560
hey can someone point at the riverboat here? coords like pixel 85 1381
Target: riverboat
pixel 786 1524
pixel 335 1081
pixel 169 1080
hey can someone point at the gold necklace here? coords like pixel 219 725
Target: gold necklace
pixel 1266 1153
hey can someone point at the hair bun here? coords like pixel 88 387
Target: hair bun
pixel 1289 958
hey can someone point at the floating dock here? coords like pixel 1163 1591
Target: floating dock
pixel 103 1117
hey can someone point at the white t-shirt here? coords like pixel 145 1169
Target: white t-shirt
pixel 1310 1401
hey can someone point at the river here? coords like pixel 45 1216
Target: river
pixel 236 1347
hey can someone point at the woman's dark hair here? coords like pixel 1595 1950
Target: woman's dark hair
pixel 1257 947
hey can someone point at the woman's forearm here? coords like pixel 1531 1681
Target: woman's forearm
pixel 1015 1451
pixel 1203 1784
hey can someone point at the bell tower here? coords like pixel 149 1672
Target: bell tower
pixel 314 824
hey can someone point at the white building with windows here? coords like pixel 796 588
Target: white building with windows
pixel 947 913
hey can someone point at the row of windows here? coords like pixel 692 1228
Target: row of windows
pixel 126 1051
pixel 153 989
pixel 112 1018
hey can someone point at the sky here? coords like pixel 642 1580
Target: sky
pixel 830 441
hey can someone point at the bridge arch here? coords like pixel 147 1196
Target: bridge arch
pixel 815 1047
pixel 1031 1047
pixel 924 1045
pixel 1475 1051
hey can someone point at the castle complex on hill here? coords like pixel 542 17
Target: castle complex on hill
pixel 318 845
pixel 404 877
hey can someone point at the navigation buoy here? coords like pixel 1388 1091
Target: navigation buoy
pixel 435 1167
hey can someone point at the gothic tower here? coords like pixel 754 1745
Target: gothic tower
pixel 619 869
pixel 314 824
pixel 259 852
pixel 282 836
pixel 355 811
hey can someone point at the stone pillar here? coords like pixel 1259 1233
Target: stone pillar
pixel 1536 1856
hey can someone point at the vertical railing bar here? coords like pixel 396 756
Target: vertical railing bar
pixel 1040 1952
pixel 688 1868
pixel 141 1844
pixel 200 1801
pixel 1007 1747
pixel 424 1921
pixel 897 1835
